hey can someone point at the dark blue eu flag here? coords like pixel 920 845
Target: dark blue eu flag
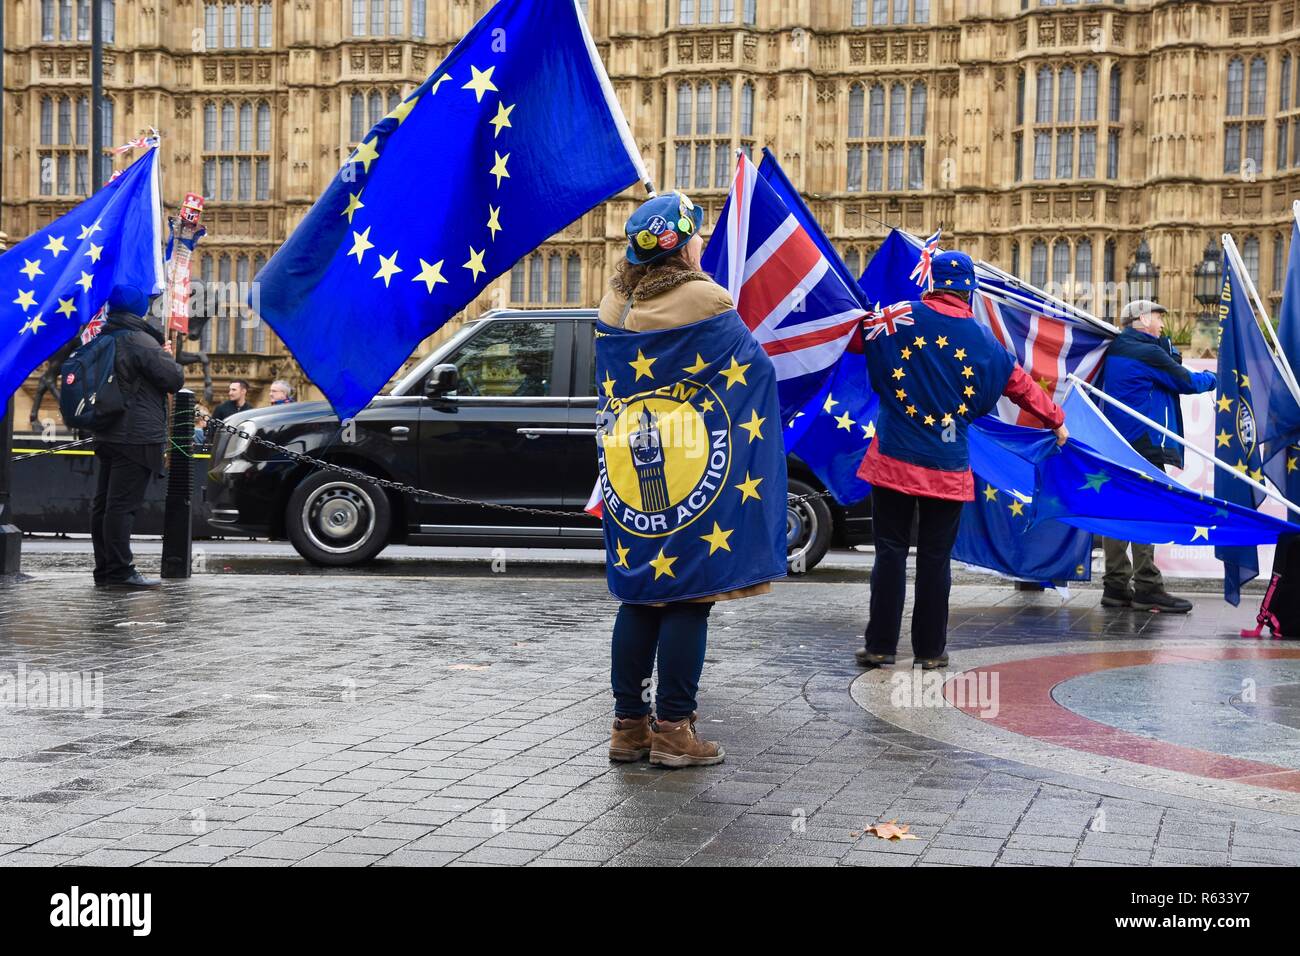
pixel 691 461
pixel 54 281
pixel 1256 417
pixel 513 137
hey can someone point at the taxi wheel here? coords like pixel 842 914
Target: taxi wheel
pixel 809 525
pixel 337 521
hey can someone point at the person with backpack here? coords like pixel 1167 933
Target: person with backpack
pixel 116 387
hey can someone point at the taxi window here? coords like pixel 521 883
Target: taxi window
pixel 507 359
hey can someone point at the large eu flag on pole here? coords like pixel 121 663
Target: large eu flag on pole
pixel 1255 417
pixel 691 461
pixel 513 137
pixel 55 280
pixel 1284 470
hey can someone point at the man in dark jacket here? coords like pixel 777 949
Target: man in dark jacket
pixel 237 402
pixel 1143 370
pixel 130 449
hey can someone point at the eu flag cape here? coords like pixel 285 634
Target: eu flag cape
pixel 691 461
pixel 56 279
pixel 513 137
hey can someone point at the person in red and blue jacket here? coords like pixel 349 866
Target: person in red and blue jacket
pixel 936 370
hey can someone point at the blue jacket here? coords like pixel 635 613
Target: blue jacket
pixel 1145 373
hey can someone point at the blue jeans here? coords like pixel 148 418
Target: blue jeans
pixel 677 634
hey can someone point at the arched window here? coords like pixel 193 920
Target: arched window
pixel 554 278
pixel 1236 80
pixel 83 120
pixel 686 12
pixel 246 127
pixel 47 19
pixel 209 126
pixel 704 108
pixel 573 279
pixel 47 121
pixel 535 277
pixel 259 327
pixel 724 107
pixel 263 127
pixel 359 18
pixel 1250 257
pixel 376 103
pixel 1083 271
pixel 1088 95
pixel 1279 269
pixel 228 126
pixel 1038 263
pixel 683 109
pixel 517 282
pixel 65 121
pixel 264 25
pixel 1284 86
pixel 856 98
pixel 1065 96
pixel 876 126
pixel 852 261
pixel 1020 97
pixel 239 310
pixel 1258 85
pixel 897 110
pixel 747 109
pixel 1043 113
pixel 1061 263
pixel 918 109
pixel 223 303
pixel 358 124
pixel 1116 81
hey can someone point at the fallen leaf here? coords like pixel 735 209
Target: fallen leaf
pixel 891 831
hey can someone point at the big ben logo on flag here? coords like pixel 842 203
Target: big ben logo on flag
pixel 692 462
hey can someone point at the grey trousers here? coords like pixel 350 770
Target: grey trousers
pixel 1142 570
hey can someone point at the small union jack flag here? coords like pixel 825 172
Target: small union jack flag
pixel 922 273
pixel 93 327
pixel 887 320
pixel 140 142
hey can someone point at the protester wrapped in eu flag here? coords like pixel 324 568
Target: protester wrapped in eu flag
pixel 692 474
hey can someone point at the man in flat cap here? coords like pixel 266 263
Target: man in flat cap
pixel 1144 371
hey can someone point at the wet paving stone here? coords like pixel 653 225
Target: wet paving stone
pixel 372 719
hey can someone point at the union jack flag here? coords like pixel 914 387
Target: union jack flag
pixel 1048 346
pixel 923 272
pixel 888 320
pixel 140 142
pixel 785 289
pixel 92 327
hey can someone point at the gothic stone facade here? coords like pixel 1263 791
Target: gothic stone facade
pixel 1046 137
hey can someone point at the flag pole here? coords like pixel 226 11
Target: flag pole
pixel 1279 358
pixel 11 539
pixel 1222 465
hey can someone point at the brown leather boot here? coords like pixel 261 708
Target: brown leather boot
pixel 630 739
pixel 676 744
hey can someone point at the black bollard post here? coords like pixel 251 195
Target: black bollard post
pixel 11 539
pixel 178 530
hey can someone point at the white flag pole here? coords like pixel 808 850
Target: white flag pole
pixel 1223 466
pixel 1279 358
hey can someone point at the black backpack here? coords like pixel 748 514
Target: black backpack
pixel 1280 610
pixel 90 396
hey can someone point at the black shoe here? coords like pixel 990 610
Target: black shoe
pixel 1160 601
pixel 868 659
pixel 134 582
pixel 931 663
pixel 1114 597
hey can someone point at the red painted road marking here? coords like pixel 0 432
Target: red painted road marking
pixel 1026 707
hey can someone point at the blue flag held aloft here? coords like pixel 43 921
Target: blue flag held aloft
pixel 513 137
pixel 57 279
pixel 691 461
pixel 1285 470
pixel 1256 417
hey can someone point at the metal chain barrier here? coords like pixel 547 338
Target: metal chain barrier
pixel 414 491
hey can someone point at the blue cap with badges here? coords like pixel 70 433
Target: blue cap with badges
pixel 661 226
pixel 954 272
